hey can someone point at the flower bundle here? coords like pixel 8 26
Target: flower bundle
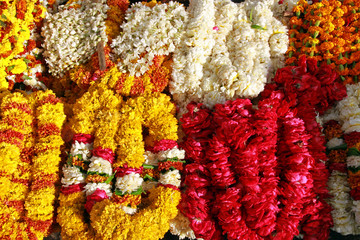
pixel 227 51
pixel 147 32
pixel 327 31
pixel 339 189
pixel 127 192
pixel 31 143
pixel 348 113
pixel 72 34
pixel 18 19
pixel 249 176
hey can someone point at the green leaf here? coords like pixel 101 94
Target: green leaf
pixel 257 27
pixel 10 68
pixel 26 77
pixel 353 152
pixel 148 166
pixel 108 181
pixel 148 177
pixel 354 169
pixel 3 16
pixel 137 192
pixel 251 15
pixel 26 60
pixel 3 24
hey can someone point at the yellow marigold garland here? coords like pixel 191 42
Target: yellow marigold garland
pixel 117 127
pixel 16 21
pixel 27 182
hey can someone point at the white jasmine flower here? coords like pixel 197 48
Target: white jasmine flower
pixel 100 165
pixel 72 176
pixel 180 226
pixel 90 188
pixel 81 148
pixel 171 177
pixel 129 183
pixel 334 142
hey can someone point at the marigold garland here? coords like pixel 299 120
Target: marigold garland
pixel 108 143
pixel 29 192
pixel 17 20
pixel 327 31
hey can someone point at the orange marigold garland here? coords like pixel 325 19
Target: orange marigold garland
pixel 327 31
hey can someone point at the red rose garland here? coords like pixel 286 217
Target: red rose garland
pixel 259 172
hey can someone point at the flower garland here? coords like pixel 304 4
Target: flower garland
pixel 72 34
pixel 108 144
pixel 228 51
pixel 147 32
pixel 338 186
pixel 348 114
pixel 27 181
pixel 242 200
pixel 327 31
pixel 17 20
pixel 32 75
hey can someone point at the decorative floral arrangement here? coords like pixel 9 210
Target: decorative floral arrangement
pixel 329 32
pixel 30 155
pixel 109 176
pixel 72 34
pixel 18 19
pixel 251 164
pixel 147 32
pixel 229 50
pixel 339 189
pixel 348 110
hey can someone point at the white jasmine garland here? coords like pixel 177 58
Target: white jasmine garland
pixel 90 188
pixel 223 56
pixel 356 210
pixel 83 149
pixel 171 177
pixel 171 153
pixel 72 176
pixel 341 203
pixel 100 165
pixel 147 32
pixel 180 226
pixel 129 183
pixel 71 35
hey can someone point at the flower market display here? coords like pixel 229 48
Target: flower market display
pixel 205 119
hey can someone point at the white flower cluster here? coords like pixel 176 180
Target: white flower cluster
pixel 341 203
pixel 100 165
pixel 349 114
pixel 180 226
pixel 229 50
pixel 72 176
pixel 148 32
pixel 90 188
pixel 171 177
pixel 71 35
pixel 83 149
pixel 129 183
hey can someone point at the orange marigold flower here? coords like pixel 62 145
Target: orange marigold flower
pixel 295 21
pixel 95 178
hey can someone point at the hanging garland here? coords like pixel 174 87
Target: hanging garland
pixel 31 134
pixel 108 150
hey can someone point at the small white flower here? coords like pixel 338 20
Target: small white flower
pixel 129 183
pixel 180 226
pixel 90 188
pixel 81 148
pixel 334 142
pixel 72 176
pixel 99 165
pixel 353 161
pixel 128 210
pixel 171 177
